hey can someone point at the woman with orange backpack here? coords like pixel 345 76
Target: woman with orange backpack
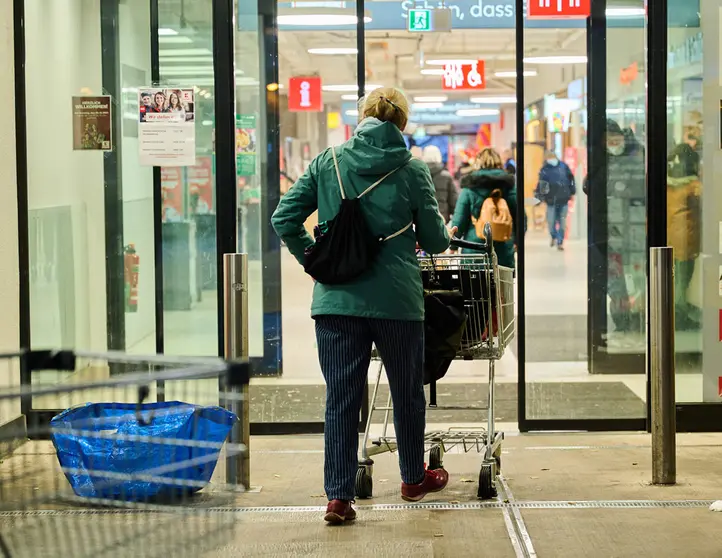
pixel 488 194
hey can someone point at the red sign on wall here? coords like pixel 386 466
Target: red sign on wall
pixel 304 94
pixel 558 9
pixel 463 76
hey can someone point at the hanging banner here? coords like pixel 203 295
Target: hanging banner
pixel 558 9
pixel 92 123
pixel 463 76
pixel 166 132
pixel 304 94
pixel 245 145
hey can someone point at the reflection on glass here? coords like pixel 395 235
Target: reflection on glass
pixel 691 207
pixel 189 215
pixel 570 353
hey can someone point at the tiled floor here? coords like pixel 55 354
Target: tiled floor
pixel 574 495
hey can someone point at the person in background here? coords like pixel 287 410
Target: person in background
pixel 684 215
pixel 488 175
pixel 509 162
pixel 384 307
pixel 446 193
pixel 556 188
pixel 625 184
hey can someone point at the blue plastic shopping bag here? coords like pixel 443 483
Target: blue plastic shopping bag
pixel 110 450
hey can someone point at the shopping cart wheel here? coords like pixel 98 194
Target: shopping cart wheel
pixel 364 483
pixel 487 490
pixel 436 458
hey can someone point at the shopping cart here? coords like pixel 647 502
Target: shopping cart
pixel 488 299
pixel 129 464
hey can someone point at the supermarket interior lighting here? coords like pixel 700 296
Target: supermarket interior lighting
pixel 166 31
pixel 423 106
pixel 493 100
pixel 556 60
pixel 445 61
pixel 624 12
pixel 349 97
pixel 319 19
pixel 477 112
pixel 431 99
pixel 332 50
pixel 432 72
pixel 512 73
pixel 347 88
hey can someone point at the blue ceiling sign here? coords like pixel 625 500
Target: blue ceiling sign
pixel 488 14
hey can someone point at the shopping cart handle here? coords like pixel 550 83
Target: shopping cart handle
pixel 485 246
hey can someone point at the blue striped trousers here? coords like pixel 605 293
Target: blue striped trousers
pixel 344 349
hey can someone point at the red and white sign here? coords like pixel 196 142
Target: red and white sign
pixel 463 76
pixel 558 9
pixel 304 94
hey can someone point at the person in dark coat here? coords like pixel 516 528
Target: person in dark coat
pixel 446 194
pixel 556 188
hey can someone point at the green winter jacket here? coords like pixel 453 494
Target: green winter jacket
pixel 475 188
pixel 392 288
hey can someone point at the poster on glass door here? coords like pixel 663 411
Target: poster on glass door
pixel 92 123
pixel 166 129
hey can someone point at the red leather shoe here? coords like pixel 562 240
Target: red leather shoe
pixel 434 481
pixel 339 511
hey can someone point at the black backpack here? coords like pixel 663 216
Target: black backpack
pixel 346 249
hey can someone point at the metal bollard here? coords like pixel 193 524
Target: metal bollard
pixel 661 331
pixel 235 319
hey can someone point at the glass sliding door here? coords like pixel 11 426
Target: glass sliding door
pixel 583 276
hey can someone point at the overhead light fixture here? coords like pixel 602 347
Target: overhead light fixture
pixel 424 106
pixel 352 112
pixel 344 88
pixel 432 72
pixel 207 122
pixel 431 99
pixel 512 73
pixel 445 61
pixel 477 112
pixel 175 52
pixel 493 100
pixel 332 51
pixel 556 60
pixel 175 40
pixel 349 97
pixel 187 71
pixel 319 16
pixel 625 12
pixel 165 31
pixel 183 59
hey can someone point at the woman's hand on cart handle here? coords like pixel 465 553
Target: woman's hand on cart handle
pixel 481 247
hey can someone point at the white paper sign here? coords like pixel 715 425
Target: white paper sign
pixel 166 133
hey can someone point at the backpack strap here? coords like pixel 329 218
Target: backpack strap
pixel 338 173
pixel 367 190
pixel 384 177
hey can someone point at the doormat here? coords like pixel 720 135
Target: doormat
pixel 547 400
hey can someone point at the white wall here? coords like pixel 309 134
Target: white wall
pixel 9 271
pixel 64 59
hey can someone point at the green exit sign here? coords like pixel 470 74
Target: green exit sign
pixel 419 20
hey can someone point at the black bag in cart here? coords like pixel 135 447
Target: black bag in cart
pixel 444 327
pixel 347 248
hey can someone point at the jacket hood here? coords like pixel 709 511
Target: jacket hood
pixel 376 148
pixel 681 182
pixel 488 180
pixel 435 168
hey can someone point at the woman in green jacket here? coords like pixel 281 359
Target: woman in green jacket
pixel 384 306
pixel 488 175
